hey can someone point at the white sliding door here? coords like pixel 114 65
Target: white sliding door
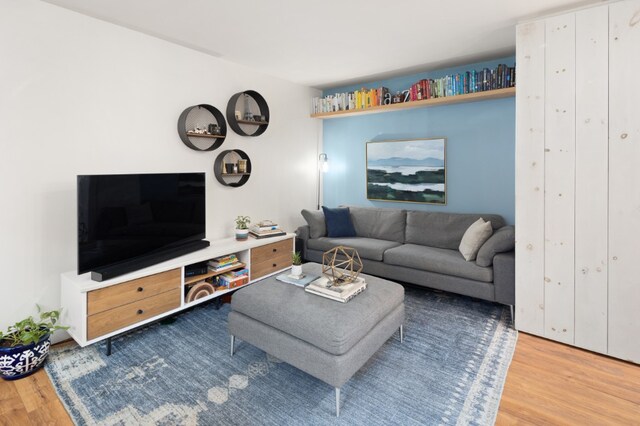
pixel 559 166
pixel 592 178
pixel 530 178
pixel 624 180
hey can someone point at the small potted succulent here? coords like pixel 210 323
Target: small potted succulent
pixel 242 227
pixel 296 259
pixel 25 344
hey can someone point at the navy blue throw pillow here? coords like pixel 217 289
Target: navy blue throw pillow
pixel 338 222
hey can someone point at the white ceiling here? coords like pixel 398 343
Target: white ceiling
pixel 331 42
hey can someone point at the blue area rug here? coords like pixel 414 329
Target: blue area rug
pixel 449 370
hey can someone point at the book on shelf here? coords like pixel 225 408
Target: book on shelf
pixel 341 293
pixel 265 223
pixel 229 280
pixel 268 234
pixel 223 261
pixel 473 81
pixel 266 228
pixel 299 280
pixel 223 266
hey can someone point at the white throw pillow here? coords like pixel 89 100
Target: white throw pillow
pixel 474 237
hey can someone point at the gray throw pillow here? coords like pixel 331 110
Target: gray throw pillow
pixel 503 240
pixel 474 237
pixel 315 220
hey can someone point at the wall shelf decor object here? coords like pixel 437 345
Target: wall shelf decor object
pixel 201 115
pixel 577 145
pixel 412 170
pixel 250 104
pixel 235 177
pixel 448 100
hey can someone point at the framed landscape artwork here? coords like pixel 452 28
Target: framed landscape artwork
pixel 407 170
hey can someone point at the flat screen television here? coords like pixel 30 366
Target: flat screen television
pixel 128 222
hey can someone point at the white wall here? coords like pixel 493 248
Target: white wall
pixel 81 96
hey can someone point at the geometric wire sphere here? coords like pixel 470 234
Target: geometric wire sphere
pixel 341 265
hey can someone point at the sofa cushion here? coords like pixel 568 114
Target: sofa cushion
pixel 443 230
pixel 338 222
pixel 315 220
pixel 503 240
pixel 473 238
pixel 383 224
pixel 442 261
pixel 368 248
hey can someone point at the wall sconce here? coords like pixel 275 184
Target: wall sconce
pixel 323 166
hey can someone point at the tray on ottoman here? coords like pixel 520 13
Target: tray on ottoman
pixel 327 339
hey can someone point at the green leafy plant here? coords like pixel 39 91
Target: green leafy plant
pixel 242 222
pixel 30 330
pixel 296 258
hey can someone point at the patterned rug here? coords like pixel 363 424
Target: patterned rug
pixel 449 370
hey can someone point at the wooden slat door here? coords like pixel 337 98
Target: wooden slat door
pixel 624 180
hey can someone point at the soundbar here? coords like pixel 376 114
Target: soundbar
pixel 121 268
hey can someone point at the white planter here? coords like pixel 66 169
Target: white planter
pixel 296 270
pixel 242 234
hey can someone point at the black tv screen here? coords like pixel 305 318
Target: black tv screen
pixel 121 217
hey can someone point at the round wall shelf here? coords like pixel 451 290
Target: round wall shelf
pixel 203 116
pixel 228 168
pixel 254 113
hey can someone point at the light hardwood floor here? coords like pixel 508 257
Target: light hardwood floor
pixel 547 383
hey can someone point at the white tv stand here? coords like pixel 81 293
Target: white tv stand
pixel 95 311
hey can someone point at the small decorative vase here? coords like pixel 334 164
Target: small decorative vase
pixel 242 234
pixel 296 270
pixel 20 361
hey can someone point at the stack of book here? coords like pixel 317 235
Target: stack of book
pixel 266 229
pixel 224 262
pixel 299 280
pixel 232 279
pixel 341 293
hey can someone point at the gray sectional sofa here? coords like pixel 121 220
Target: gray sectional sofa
pixel 421 248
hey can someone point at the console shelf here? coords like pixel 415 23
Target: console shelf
pixel 96 311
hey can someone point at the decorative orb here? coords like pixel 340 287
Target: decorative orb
pixel 341 265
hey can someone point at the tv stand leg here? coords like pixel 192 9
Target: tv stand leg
pixel 109 346
pixel 217 304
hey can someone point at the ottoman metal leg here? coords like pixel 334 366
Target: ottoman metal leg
pixel 337 402
pixel 401 333
pixel 233 340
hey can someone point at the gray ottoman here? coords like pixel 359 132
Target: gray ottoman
pixel 326 339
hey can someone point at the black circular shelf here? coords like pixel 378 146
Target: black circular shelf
pixel 260 126
pixel 218 167
pixel 216 139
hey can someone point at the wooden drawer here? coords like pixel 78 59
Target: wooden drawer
pixel 121 294
pixel 272 264
pixel 260 254
pixel 131 313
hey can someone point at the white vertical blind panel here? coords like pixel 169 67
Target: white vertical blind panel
pixel 624 180
pixel 530 101
pixel 592 178
pixel 559 204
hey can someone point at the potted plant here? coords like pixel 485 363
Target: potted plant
pixel 242 227
pixel 296 259
pixel 25 344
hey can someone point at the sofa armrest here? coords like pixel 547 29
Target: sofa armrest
pixel 504 277
pixel 302 236
pixel 502 241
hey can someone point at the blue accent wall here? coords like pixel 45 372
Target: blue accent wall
pixel 480 150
